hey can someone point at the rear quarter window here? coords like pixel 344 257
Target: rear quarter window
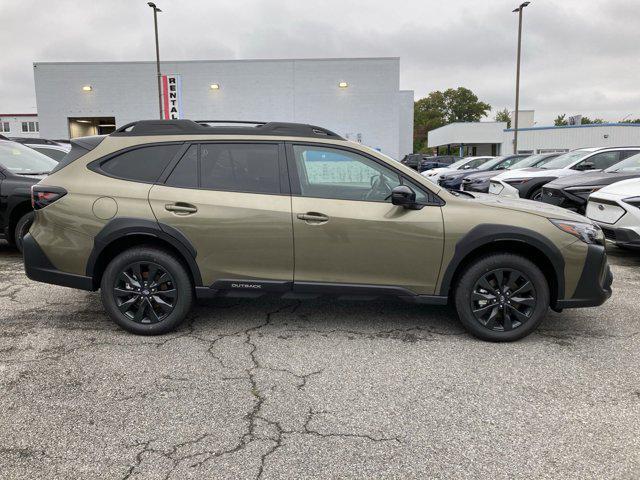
pixel 142 164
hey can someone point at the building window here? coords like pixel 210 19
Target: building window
pixel 30 127
pixel 4 127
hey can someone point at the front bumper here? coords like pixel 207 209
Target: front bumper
pixel 480 187
pixel 498 187
pixel 560 198
pixel 623 237
pixel 39 268
pixel 594 285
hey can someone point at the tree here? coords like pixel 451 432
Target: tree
pixel 440 108
pixel 561 120
pixel 588 121
pixel 635 120
pixel 503 116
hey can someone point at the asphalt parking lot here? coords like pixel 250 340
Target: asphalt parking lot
pixel 320 389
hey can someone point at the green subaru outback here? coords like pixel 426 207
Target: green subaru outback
pixel 161 212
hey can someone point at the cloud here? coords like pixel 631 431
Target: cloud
pixel 578 56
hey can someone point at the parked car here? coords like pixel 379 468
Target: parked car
pixel 466 163
pixel 421 162
pixel 479 182
pixel 161 211
pixel 616 208
pixel 453 180
pixel 437 161
pixel 573 191
pixel 20 168
pixel 50 148
pixel 528 183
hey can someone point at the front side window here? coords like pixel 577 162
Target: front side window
pixel 630 165
pixel 340 174
pixel 143 164
pixel 599 161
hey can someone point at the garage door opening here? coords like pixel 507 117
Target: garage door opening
pixel 83 126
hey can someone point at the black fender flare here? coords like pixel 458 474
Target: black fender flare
pixel 526 188
pixel 121 227
pixel 484 234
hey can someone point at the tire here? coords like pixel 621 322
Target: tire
pixel 536 194
pixel 476 304
pixel 22 228
pixel 164 302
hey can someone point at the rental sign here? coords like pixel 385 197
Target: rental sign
pixel 171 97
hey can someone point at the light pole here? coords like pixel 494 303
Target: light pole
pixel 155 24
pixel 515 126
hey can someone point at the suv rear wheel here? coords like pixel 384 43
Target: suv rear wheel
pixel 502 297
pixel 147 291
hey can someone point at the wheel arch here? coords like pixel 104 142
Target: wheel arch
pixel 123 233
pixel 18 209
pixel 487 239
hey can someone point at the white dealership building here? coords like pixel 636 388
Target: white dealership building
pixel 494 138
pixel 358 98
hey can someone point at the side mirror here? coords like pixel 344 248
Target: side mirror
pixel 403 196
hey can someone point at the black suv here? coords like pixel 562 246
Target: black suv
pixel 20 167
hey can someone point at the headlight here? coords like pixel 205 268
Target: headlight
pixel 587 232
pixel 635 201
pixel 517 181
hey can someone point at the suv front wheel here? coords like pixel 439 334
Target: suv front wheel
pixel 502 297
pixel 147 291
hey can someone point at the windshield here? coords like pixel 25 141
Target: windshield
pixel 475 163
pixel 533 161
pixel 491 163
pixel 24 161
pixel 565 160
pixel 630 165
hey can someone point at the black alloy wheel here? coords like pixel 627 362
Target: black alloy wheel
pixel 503 299
pixel 145 292
pixel 537 195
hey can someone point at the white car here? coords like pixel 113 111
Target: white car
pixel 528 182
pixel 466 163
pixel 616 208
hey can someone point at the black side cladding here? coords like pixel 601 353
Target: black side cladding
pixel 79 147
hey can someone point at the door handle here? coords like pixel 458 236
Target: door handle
pixel 181 208
pixel 314 217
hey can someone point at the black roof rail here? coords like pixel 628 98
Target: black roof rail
pixel 232 127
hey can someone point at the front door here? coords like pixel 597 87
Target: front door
pixel 229 201
pixel 347 231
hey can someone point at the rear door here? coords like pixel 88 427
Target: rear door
pixel 232 201
pixel 346 230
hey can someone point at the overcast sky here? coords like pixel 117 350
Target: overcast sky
pixel 579 56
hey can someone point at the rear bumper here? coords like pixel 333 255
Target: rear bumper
pixel 594 286
pixel 39 268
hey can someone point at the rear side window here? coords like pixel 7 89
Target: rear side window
pixel 235 167
pixel 240 167
pixel 143 164
pixel 185 174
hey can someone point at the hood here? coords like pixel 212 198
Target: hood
pixel 529 206
pixel 483 175
pixel 538 173
pixel 458 173
pixel 591 178
pixel 625 188
pixel 436 171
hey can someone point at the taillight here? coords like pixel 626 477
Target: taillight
pixel 43 195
